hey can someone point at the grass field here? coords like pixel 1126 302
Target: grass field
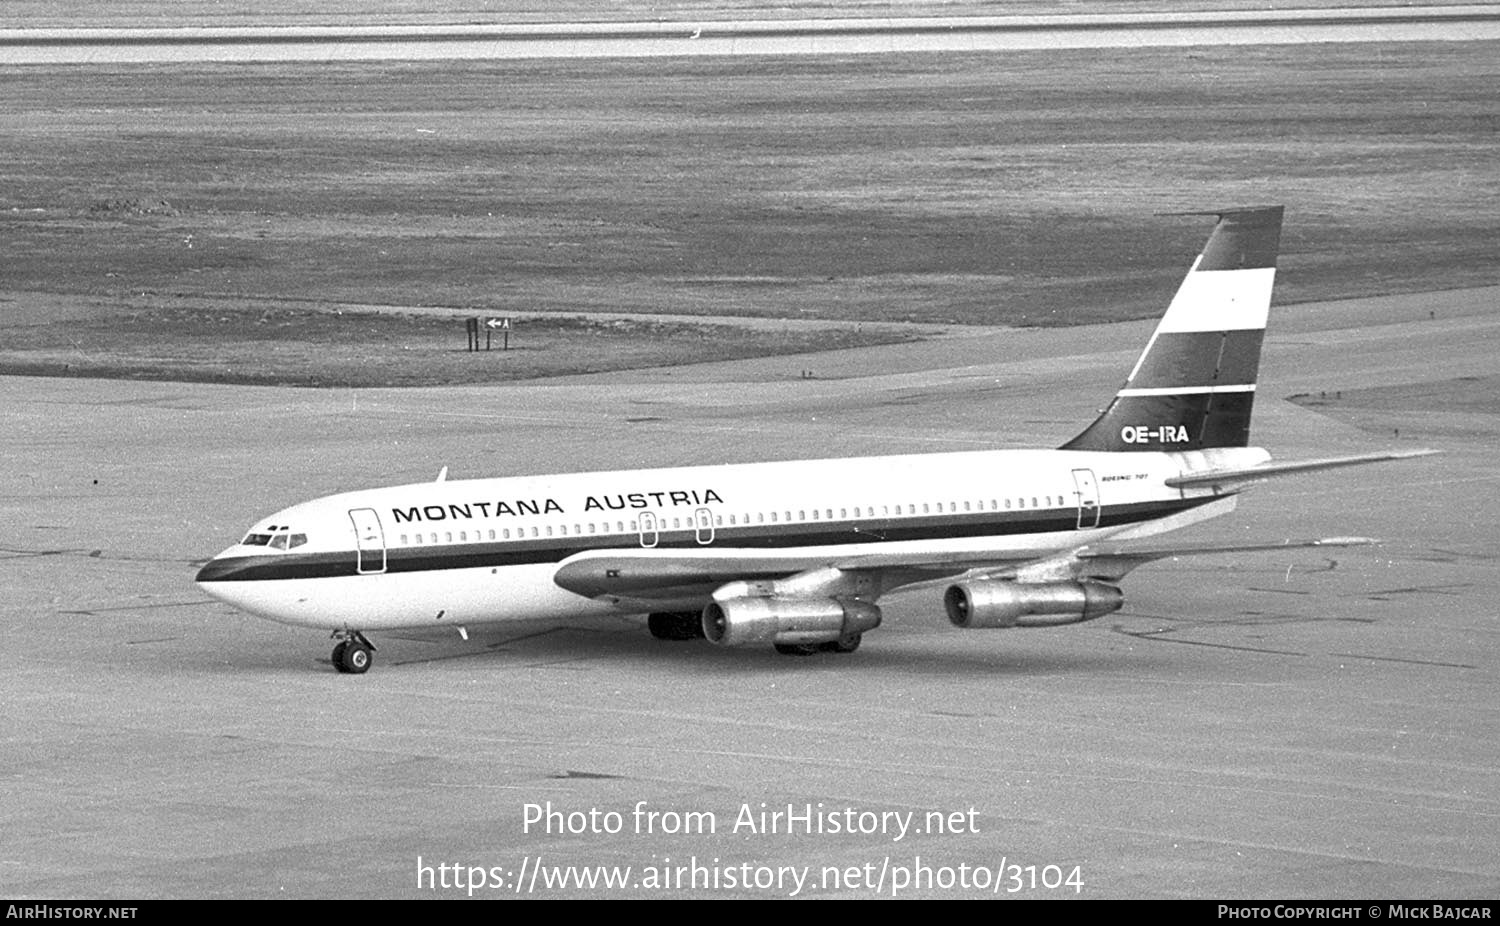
pixel 955 189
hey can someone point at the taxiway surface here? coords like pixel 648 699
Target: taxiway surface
pixel 1299 725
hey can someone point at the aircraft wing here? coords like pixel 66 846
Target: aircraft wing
pixel 673 578
pixel 1111 562
pixel 1107 561
pixel 1223 479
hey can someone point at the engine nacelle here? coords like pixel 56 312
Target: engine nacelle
pixel 1002 603
pixel 738 621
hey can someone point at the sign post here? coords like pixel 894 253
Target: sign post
pixel 493 324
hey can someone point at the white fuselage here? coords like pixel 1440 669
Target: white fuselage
pixel 470 552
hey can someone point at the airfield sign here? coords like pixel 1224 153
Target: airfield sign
pixel 490 326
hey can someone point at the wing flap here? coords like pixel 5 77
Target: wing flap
pixel 1113 563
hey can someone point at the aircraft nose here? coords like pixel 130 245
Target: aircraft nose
pixel 216 570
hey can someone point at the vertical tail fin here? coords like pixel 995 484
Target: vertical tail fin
pixel 1194 384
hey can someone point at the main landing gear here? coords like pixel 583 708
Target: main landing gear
pixel 688 625
pixel 843 645
pixel 675 625
pixel 352 653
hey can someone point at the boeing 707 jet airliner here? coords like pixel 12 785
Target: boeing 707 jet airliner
pixel 797 554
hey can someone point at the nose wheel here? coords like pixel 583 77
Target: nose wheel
pixel 351 654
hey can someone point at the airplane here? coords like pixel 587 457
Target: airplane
pixel 797 554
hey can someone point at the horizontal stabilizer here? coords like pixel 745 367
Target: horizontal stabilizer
pixel 1228 478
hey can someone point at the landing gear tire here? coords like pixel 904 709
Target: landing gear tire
pixel 845 645
pixel 675 625
pixel 351 655
pixel 355 659
pixel 796 649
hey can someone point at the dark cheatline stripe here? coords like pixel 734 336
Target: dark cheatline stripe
pixel 752 538
pixel 1244 240
pixel 1201 358
pixel 1150 423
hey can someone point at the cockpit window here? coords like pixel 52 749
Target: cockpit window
pixel 281 540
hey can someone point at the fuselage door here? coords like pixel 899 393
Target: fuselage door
pixel 369 539
pixel 703 526
pixel 649 533
pixel 1088 498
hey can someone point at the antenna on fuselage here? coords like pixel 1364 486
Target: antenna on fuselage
pixel 442 475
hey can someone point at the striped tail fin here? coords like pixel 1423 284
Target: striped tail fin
pixel 1194 385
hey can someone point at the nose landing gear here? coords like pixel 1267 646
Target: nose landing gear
pixel 352 653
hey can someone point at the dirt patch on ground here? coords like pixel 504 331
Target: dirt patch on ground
pixel 302 346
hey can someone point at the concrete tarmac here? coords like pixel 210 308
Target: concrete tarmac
pixel 1301 725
